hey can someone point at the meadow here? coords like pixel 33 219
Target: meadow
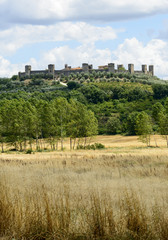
pixel 120 192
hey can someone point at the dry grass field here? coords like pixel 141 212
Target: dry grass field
pixel 120 192
pixel 120 143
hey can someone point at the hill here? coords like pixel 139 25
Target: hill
pixel 115 98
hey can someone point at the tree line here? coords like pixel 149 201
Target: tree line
pixel 115 105
pixel 144 125
pixel 23 122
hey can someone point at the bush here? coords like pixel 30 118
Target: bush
pixel 92 146
pixel 29 151
pixel 99 146
pixel 73 85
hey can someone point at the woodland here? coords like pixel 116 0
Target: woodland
pixel 87 104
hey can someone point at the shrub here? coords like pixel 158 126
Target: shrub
pixel 73 85
pixel 92 146
pixel 99 146
pixel 29 151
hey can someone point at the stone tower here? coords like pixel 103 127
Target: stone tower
pixel 28 70
pixel 51 69
pixel 151 70
pixel 144 69
pixel 111 67
pixel 131 68
pixel 85 67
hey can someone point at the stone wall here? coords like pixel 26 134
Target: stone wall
pixel 87 68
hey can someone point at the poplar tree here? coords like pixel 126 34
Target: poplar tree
pixel 143 127
pixel 163 125
pixel 61 116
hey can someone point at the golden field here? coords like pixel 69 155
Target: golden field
pixel 120 192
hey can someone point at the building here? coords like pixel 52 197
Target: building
pixel 86 68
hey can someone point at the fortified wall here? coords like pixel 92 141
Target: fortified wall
pixel 86 68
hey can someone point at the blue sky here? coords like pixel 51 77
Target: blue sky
pixel 75 31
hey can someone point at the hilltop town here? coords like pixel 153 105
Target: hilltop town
pixel 86 68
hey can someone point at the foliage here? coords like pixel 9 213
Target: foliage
pixel 113 125
pixel 163 125
pixel 93 94
pixel 73 85
pixel 131 123
pixel 22 121
pixel 120 96
pixel 160 91
pixel 143 127
pixel 29 151
pixel 157 108
pixel 91 146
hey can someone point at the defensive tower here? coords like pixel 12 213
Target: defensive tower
pixel 144 69
pixel 28 70
pixel 85 67
pixel 51 68
pixel 151 69
pixel 67 70
pixel 111 67
pixel 131 68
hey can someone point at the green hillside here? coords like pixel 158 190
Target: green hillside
pixel 110 104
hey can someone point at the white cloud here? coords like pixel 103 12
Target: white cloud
pixel 75 57
pixel 59 56
pixel 28 22
pixel 48 12
pixel 130 51
pixel 7 69
pixel 16 37
pixel 134 51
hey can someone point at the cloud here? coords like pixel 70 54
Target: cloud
pixel 130 51
pixel 153 53
pixel 7 69
pixel 42 12
pixel 75 57
pixel 14 38
pixel 59 56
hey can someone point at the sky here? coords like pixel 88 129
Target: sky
pixel 73 32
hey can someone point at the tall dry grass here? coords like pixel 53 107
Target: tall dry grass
pixel 55 217
pixel 79 195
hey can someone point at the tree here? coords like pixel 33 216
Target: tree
pixel 160 91
pixel 30 123
pixel 156 110
pixel 166 105
pixel 61 117
pixel 131 123
pixel 163 125
pixel 73 85
pixel 113 125
pixel 82 122
pixel 143 127
pixel 93 94
pixel 13 122
pixel 3 107
pixel 14 77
